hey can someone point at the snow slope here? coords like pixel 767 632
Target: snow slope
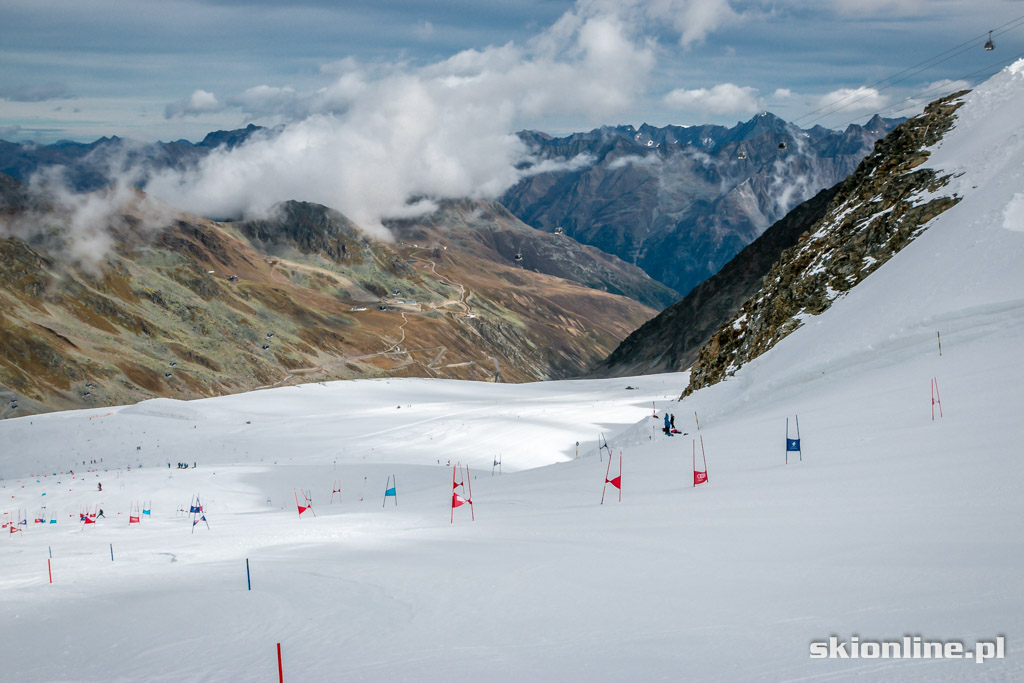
pixel 893 524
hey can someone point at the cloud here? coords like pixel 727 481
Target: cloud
pixel 852 100
pixel 265 100
pixel 643 161
pixel 199 102
pixel 725 98
pixel 382 134
pixel 424 30
pixel 10 132
pixel 40 92
pixel 80 228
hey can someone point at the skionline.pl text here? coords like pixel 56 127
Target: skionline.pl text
pixel 907 647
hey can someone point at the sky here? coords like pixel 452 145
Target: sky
pixel 179 69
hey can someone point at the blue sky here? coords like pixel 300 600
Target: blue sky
pixel 173 69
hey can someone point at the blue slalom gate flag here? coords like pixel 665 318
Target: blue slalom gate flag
pixel 792 444
pixel 391 492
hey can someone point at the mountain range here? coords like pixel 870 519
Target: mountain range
pixel 681 201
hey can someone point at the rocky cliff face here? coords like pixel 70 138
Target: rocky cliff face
pixel 681 202
pixel 880 208
pixel 670 342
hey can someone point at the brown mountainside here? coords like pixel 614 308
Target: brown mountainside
pixel 192 307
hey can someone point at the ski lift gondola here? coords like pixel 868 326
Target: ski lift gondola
pixel 519 256
pixel 989 45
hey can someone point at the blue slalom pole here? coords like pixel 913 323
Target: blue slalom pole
pixel 247 577
pixel 111 552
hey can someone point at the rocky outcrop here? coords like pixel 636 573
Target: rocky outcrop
pixel 670 342
pixel 881 207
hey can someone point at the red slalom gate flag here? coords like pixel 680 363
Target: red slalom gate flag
pixel 88 520
pixel 616 482
pixel 699 477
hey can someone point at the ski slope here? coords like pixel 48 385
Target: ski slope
pixel 893 524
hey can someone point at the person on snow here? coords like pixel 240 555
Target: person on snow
pixel 99 487
pixel 100 514
pixel 673 421
pixel 667 425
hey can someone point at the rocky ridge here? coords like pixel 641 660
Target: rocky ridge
pixel 671 341
pixel 881 207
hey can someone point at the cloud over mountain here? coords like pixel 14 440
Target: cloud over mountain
pixel 384 139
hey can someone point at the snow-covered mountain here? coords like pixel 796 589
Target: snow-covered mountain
pixel 900 517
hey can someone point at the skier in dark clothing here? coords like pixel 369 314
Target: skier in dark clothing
pixel 673 421
pixel 668 428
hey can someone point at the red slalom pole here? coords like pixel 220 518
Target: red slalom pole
pixel 49 570
pixel 280 668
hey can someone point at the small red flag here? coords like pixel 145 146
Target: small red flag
pixel 699 477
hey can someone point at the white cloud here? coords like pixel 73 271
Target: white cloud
pixel 852 100
pixel 725 98
pixel 649 160
pixel 199 102
pixel 265 100
pixel 382 134
pixel 424 30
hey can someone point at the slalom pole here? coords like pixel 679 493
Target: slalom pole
pixel 704 455
pixel 469 492
pixel 248 578
pixel 696 420
pixel 940 342
pixel 607 471
pixel 280 667
pixel 111 552
pixel 787 440
pixel 452 521
pixel 694 442
pixel 801 451
pixel 49 570
pixel 620 477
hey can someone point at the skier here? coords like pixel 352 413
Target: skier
pixel 99 486
pixel 668 427
pixel 100 514
pixel 673 421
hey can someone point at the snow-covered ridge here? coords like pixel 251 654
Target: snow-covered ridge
pixel 887 202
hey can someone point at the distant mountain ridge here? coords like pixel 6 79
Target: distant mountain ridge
pixel 677 202
pixel 90 166
pixel 681 201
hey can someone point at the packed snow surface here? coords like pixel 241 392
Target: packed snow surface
pixel 901 516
